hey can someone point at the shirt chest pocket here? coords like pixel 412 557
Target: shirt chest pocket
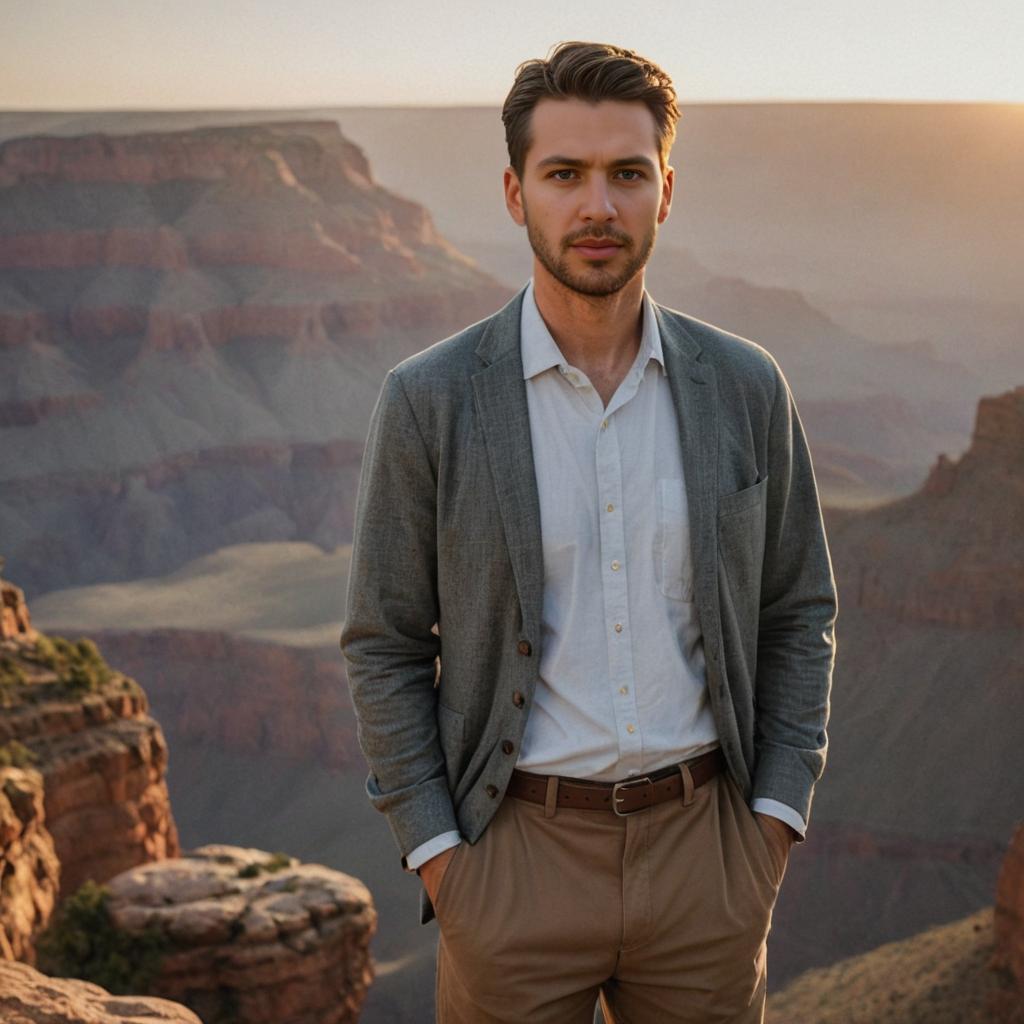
pixel 673 561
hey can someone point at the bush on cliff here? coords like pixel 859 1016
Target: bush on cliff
pixel 79 666
pixel 83 942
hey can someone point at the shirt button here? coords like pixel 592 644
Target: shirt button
pixel 523 647
pixel 604 424
pixel 623 690
pixel 631 728
pixel 518 699
pixel 618 627
pixel 507 746
pixel 491 790
pixel 611 507
pixel 615 566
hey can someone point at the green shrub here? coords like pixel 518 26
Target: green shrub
pixel 11 673
pixel 14 754
pixel 83 942
pixel 79 666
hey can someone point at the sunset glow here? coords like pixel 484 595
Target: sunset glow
pixel 317 52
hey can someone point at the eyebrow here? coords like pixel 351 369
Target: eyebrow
pixel 568 161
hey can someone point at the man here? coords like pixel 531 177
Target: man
pixel 591 608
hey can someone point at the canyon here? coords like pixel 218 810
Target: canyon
pixel 194 322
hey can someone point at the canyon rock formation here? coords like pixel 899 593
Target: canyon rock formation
pixel 259 937
pixel 193 329
pixel 953 553
pixel 91 790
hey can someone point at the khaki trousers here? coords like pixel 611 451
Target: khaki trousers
pixel 663 915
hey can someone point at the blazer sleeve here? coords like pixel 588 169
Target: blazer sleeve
pixel 796 637
pixel 387 638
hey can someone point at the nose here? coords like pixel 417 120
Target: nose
pixel 596 201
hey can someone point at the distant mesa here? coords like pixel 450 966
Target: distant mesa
pixel 193 329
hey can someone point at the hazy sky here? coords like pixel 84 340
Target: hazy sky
pixel 76 54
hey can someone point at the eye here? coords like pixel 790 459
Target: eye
pixel 635 175
pixel 557 175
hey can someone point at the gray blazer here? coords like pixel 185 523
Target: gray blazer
pixel 447 533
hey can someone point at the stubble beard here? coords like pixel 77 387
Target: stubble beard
pixel 597 281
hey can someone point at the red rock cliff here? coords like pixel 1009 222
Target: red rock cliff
pixel 85 795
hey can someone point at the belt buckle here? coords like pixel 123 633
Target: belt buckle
pixel 616 799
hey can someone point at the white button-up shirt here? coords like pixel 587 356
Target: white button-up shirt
pixel 622 687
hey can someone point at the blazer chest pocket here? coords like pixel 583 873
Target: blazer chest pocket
pixel 741 525
pixel 740 501
pixel 673 561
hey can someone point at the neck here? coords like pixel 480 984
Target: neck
pixel 598 334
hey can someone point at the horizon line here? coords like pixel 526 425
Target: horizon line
pixel 762 101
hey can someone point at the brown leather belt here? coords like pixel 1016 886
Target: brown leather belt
pixel 621 798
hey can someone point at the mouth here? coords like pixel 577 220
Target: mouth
pixel 597 248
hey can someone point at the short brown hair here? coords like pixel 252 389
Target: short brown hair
pixel 593 72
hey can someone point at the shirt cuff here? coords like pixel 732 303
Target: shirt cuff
pixel 431 848
pixel 777 809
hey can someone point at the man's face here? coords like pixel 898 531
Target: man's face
pixel 592 192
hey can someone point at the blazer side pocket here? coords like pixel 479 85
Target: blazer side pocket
pixel 451 727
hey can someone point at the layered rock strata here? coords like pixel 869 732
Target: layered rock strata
pixel 28 997
pixel 259 937
pixel 193 329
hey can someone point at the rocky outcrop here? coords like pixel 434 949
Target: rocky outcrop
pixel 28 997
pixel 255 938
pixel 952 553
pixel 15 621
pixel 1009 912
pixel 29 868
pixel 193 329
pixel 102 759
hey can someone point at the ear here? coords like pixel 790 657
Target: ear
pixel 514 197
pixel 667 185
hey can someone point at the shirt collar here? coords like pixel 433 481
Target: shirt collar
pixel 540 352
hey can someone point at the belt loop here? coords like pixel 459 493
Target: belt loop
pixel 684 770
pixel 551 797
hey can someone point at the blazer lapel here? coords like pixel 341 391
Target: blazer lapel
pixel 501 405
pixel 695 394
